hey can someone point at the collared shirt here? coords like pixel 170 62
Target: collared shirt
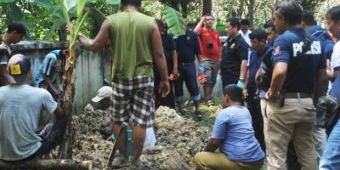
pixel 233 52
pixel 245 36
pixel 255 62
pixel 188 47
pixel 302 67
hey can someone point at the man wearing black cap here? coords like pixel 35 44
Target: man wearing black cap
pixel 15 32
pixel 20 108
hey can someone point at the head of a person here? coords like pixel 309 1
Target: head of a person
pixel 136 3
pixel 15 32
pixel 103 97
pixel 307 19
pixel 286 15
pixel 271 31
pixel 161 25
pixel 258 39
pixel 232 94
pixel 208 21
pixel 333 21
pixel 64 52
pixel 245 24
pixel 19 68
pixel 232 27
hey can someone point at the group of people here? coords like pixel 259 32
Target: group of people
pixel 288 70
pixel 21 105
pixel 279 74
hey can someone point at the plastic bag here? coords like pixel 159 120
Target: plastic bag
pixel 150 138
pixel 218 89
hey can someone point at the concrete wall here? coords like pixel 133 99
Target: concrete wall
pixel 91 68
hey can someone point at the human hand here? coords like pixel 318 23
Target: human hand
pixel 245 93
pixel 201 67
pixel 241 84
pixel 164 88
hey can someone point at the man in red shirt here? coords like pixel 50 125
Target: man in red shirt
pixel 210 51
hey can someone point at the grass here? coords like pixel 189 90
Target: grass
pixel 209 112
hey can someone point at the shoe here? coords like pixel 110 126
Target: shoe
pixel 199 115
pixel 119 161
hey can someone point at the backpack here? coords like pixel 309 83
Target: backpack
pixel 327 113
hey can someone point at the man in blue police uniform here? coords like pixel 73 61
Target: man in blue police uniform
pixel 188 48
pixel 299 73
pixel 234 56
pixel 261 50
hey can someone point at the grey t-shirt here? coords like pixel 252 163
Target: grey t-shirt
pixel 5 51
pixel 20 107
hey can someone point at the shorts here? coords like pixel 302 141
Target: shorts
pixel 211 69
pixel 133 101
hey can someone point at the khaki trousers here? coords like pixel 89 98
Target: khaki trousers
pixel 219 161
pixel 294 121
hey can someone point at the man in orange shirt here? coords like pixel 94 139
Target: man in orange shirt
pixel 210 51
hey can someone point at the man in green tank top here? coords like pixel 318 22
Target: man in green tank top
pixel 136 43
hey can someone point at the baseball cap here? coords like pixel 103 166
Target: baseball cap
pixel 103 92
pixel 18 27
pixel 19 67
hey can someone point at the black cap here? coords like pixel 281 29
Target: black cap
pixel 18 27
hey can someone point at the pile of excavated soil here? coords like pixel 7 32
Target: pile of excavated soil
pixel 178 140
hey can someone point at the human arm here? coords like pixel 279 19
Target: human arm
pixel 245 91
pixel 158 56
pixel 175 64
pixel 49 84
pixel 213 144
pixel 278 79
pixel 320 84
pixel 199 25
pixel 101 39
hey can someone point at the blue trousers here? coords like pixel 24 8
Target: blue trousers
pixel 330 159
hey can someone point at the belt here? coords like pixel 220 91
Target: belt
pixel 186 63
pixel 297 95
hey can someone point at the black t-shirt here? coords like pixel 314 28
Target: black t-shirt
pixel 233 52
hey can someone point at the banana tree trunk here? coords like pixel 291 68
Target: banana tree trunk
pixel 69 83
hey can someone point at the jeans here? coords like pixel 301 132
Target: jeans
pixel 330 159
pixel 187 75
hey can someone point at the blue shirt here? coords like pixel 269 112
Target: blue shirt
pixel 255 62
pixel 233 52
pixel 234 126
pixel 187 46
pixel 266 71
pixel 51 67
pixel 302 67
pixel 327 43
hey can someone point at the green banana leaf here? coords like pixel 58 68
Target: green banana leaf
pixel 174 20
pixel 6 1
pixel 113 2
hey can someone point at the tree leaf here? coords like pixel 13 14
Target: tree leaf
pixel 80 7
pixel 69 4
pixel 113 2
pixel 174 20
pixel 44 3
pixel 7 1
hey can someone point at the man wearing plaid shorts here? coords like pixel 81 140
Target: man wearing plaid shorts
pixel 130 32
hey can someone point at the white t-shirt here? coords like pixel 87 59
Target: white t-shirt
pixel 20 108
pixel 335 60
